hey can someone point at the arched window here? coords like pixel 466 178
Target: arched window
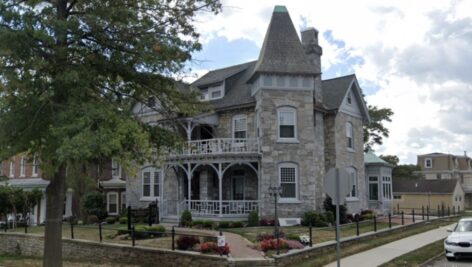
pixel 151 181
pixel 349 136
pixel 287 123
pixel 353 179
pixel 288 178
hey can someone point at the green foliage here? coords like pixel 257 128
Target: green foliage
pixel 208 224
pixel 237 224
pixel 123 230
pixel 406 171
pixel 186 218
pixel 329 216
pixel 253 219
pixel 392 159
pixel 123 220
pixel 328 206
pixel 18 200
pixel 110 220
pixel 223 224
pixel 316 219
pixel 376 130
pixel 92 219
pixel 292 236
pixel 197 223
pixel 94 204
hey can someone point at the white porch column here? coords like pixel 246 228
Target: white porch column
pixel 189 131
pixel 68 211
pixel 161 193
pixel 189 185
pixel 220 188
pixel 259 188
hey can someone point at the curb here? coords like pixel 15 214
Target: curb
pixel 425 264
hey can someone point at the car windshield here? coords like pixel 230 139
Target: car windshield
pixel 464 226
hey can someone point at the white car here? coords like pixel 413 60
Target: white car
pixel 459 242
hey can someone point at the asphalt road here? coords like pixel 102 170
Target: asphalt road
pixel 442 262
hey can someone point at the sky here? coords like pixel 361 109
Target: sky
pixel 414 57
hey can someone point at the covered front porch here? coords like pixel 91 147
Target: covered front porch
pixel 220 191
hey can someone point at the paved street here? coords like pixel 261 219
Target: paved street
pixel 442 262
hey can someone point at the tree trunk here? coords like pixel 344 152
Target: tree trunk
pixel 55 194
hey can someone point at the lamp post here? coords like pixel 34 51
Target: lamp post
pixel 276 191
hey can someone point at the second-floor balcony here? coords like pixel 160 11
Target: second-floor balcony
pixel 217 146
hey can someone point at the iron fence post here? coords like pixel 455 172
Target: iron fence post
pixel 389 220
pixel 100 231
pixel 422 213
pixel 133 235
pixel 173 238
pixel 375 223
pixel 311 235
pixel 427 213
pixel 357 226
pixel 403 218
pixel 72 230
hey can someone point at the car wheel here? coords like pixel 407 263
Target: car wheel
pixel 451 258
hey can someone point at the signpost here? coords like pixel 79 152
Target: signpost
pixel 337 186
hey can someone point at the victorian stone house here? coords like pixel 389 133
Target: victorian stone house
pixel 274 122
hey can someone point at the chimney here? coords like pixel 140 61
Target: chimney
pixel 312 48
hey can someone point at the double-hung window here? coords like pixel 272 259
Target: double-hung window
pixel 151 180
pixel 387 187
pixel 287 120
pixel 349 136
pixel 428 163
pixel 115 169
pixel 373 188
pixel 35 167
pixel 12 168
pixel 240 126
pixel 23 167
pixel 288 175
pixel 112 203
pixel 353 180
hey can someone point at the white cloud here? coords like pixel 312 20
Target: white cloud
pixel 418 54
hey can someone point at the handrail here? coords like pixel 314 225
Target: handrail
pixel 218 146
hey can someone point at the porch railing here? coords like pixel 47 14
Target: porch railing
pixel 228 207
pixel 218 146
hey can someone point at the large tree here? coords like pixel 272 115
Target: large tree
pixel 69 73
pixel 376 130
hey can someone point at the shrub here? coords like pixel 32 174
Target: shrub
pixel 94 204
pixel 294 244
pixel 186 218
pixel 267 236
pixel 266 222
pixel 292 237
pixel 187 242
pixel 237 224
pixel 223 224
pixel 315 218
pixel 271 244
pixel 212 247
pixel 328 206
pixel 140 232
pixel 329 216
pixel 253 219
pixel 123 220
pixel 92 219
pixel 367 214
pixel 208 224
pixel 122 230
pixel 110 220
pixel 197 223
pixel 158 230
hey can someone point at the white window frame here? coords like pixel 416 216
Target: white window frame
pixel 426 160
pixel 115 166
pixel 152 194
pixel 219 88
pixel 354 181
pixel 295 167
pixel 236 118
pixel 376 182
pixel 35 167
pixel 386 188
pixel 109 194
pixel 12 168
pixel 23 166
pixel 295 131
pixel 123 200
pixel 349 136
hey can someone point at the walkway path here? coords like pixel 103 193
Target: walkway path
pixel 385 253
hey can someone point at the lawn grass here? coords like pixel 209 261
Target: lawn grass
pixel 330 255
pixel 25 261
pixel 320 235
pixel 418 256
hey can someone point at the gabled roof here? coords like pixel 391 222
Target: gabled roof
pixel 424 186
pixel 282 52
pixel 371 158
pixel 219 75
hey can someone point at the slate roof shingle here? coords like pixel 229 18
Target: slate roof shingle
pixel 334 90
pixel 424 186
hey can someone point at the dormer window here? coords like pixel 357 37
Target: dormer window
pixel 428 163
pixel 213 93
pixel 216 94
pixel 349 98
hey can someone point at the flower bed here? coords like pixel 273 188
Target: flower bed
pixel 212 248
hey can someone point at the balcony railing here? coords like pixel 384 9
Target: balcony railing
pixel 218 146
pixel 212 207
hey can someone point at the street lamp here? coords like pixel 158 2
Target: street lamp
pixel 275 192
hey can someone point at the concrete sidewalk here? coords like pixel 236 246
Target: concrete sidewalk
pixel 385 253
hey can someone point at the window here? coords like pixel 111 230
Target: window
pixel 397 197
pixel 12 168
pixel 267 80
pixel 280 81
pixel 115 169
pixel 123 200
pixel 293 81
pixel 151 182
pixel 112 203
pixel 387 187
pixel 216 94
pixel 204 95
pixel 373 188
pixel 258 124
pixel 287 123
pixel 35 167
pixel 23 167
pixel 353 176
pixel 349 136
pixel 349 98
pixel 428 163
pixel 240 126
pixel 306 82
pixel 288 180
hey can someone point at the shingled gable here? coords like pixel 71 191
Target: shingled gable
pixel 282 52
pixel 407 186
pixel 335 90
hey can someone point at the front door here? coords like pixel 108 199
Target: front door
pixel 237 185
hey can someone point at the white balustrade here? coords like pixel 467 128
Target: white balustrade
pixel 228 207
pixel 218 146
